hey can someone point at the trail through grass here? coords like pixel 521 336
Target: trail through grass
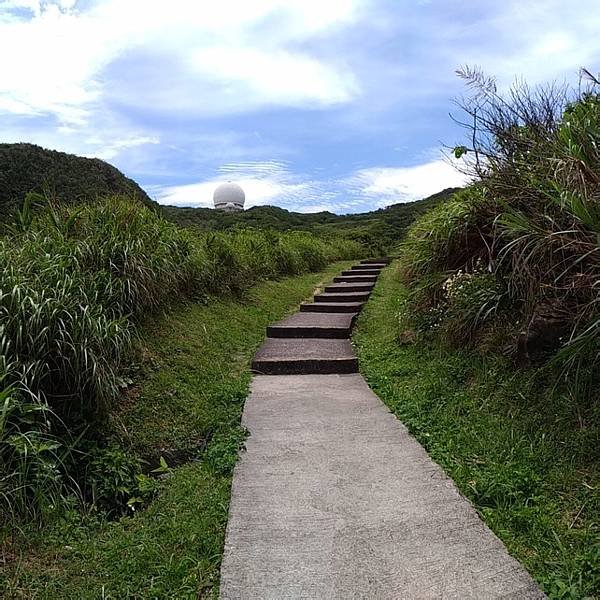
pixel 524 457
pixel 186 405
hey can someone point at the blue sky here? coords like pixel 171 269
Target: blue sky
pixel 337 105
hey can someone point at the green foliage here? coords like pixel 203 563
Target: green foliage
pixel 30 457
pixel 26 168
pixel 471 300
pixel 460 151
pixel 444 239
pixel 223 449
pixel 115 482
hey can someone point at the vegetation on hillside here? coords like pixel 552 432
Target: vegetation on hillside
pixel 513 262
pixel 26 168
pixel 74 284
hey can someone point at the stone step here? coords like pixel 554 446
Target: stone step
pixel 353 272
pixel 384 260
pixel 375 268
pixel 350 287
pixel 332 307
pixel 372 267
pixel 279 356
pixel 313 325
pixel 343 297
pixel 355 279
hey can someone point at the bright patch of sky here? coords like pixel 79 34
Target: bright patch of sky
pixel 337 105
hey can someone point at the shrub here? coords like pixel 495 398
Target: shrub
pixel 472 300
pixel 30 456
pixel 114 480
pixel 447 238
pixel 525 235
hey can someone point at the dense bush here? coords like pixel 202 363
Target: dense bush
pixel 516 256
pixel 73 284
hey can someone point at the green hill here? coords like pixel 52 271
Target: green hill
pixel 379 229
pixel 28 168
pixel 396 216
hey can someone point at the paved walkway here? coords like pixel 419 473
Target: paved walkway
pixel 334 499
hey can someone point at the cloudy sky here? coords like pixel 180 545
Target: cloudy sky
pixel 340 105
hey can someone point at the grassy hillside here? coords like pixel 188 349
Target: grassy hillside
pixel 72 179
pixel 512 263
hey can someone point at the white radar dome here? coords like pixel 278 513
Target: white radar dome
pixel 229 197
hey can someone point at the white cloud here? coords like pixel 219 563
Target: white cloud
pixel 280 77
pixel 112 149
pixel 272 182
pixel 241 54
pixel 389 185
pixel 538 40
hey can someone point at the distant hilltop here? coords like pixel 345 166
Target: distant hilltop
pixel 73 179
pixel 29 168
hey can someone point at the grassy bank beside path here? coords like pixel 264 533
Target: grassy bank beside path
pixel 185 405
pixel 522 455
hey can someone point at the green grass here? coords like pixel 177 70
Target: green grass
pixel 185 403
pixel 525 457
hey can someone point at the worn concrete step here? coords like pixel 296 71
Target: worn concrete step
pixel 343 297
pixel 313 325
pixel 375 268
pixel 350 287
pixel 384 260
pixel 373 265
pixel 332 307
pixel 356 272
pixel 355 279
pixel 279 356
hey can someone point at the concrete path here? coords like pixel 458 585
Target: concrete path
pixel 334 499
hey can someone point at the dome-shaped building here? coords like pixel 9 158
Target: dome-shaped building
pixel 229 197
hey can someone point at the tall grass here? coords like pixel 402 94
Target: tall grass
pixel 515 258
pixel 74 282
